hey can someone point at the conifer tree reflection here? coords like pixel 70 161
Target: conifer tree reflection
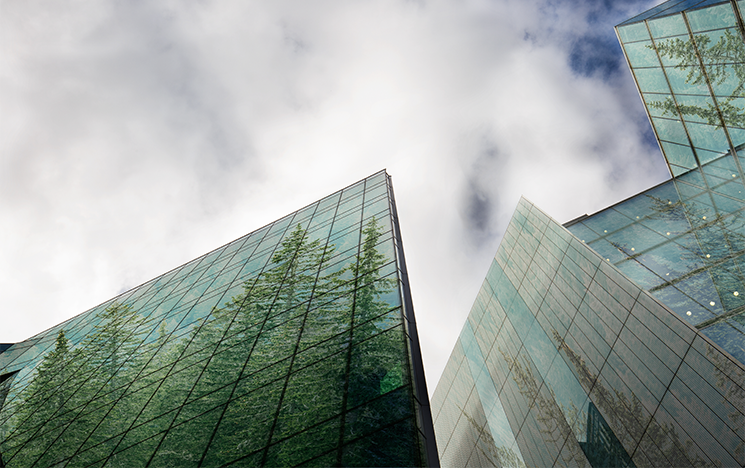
pixel 551 417
pixel 621 412
pixel 497 456
pixel 276 364
pixel 718 63
pixel 71 401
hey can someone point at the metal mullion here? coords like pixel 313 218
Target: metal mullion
pixel 127 386
pixel 638 88
pixel 738 18
pixel 297 344
pixel 347 370
pixel 413 356
pixel 248 358
pixel 172 365
pixel 178 410
pixel 711 90
pixel 677 106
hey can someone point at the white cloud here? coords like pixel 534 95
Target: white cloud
pixel 138 135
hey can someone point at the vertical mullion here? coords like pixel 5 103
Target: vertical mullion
pixel 265 452
pixel 347 370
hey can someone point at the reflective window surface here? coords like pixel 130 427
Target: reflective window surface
pixel 688 59
pixel 684 242
pixel 565 361
pixel 284 347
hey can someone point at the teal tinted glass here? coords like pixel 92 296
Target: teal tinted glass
pixel 633 32
pixel 708 137
pixel 667 26
pixel 698 109
pixel 685 80
pixel 691 263
pixel 715 17
pixel 670 130
pixel 641 54
pixel 680 155
pixel 573 355
pixel 651 80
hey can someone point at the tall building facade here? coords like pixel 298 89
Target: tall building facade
pixel 618 339
pixel 293 345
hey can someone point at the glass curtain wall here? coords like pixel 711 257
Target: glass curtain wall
pixel 688 60
pixel 291 345
pixel 564 361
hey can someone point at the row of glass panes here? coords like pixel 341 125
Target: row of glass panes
pixel 382 323
pixel 648 338
pixel 174 317
pixel 708 140
pixel 5 360
pixel 707 15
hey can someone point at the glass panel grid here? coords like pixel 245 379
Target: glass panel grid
pixel 616 347
pixel 193 351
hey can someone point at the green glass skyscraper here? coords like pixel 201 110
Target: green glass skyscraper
pixel 293 345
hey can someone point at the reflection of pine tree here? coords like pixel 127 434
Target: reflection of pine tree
pixel 367 375
pixel 42 399
pixel 276 351
pixel 718 238
pixel 620 411
pixel 109 354
pixel 734 394
pixel 549 415
pixel 70 403
pixel 724 58
pixel 242 353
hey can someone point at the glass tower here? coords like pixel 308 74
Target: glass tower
pixel 618 339
pixel 293 345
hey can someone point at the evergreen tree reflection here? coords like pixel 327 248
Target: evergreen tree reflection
pixel 275 365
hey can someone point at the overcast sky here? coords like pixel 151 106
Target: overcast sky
pixel 137 135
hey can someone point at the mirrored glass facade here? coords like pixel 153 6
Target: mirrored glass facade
pixel 619 339
pixel 688 60
pixel 684 242
pixel 293 345
pixel 564 361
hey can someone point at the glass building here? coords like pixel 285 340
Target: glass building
pixel 618 339
pixel 293 345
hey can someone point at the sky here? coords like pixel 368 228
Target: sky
pixel 136 135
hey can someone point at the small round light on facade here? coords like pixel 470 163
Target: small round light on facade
pixel 688 313
pixel 668 233
pixel 703 217
pixel 604 230
pixel 734 175
pixel 735 293
pixel 632 249
pixel 712 303
pixel 708 256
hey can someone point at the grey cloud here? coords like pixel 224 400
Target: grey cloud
pixel 138 135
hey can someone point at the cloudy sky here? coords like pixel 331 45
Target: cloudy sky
pixel 137 135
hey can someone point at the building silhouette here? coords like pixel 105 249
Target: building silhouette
pixel 293 345
pixel 618 339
